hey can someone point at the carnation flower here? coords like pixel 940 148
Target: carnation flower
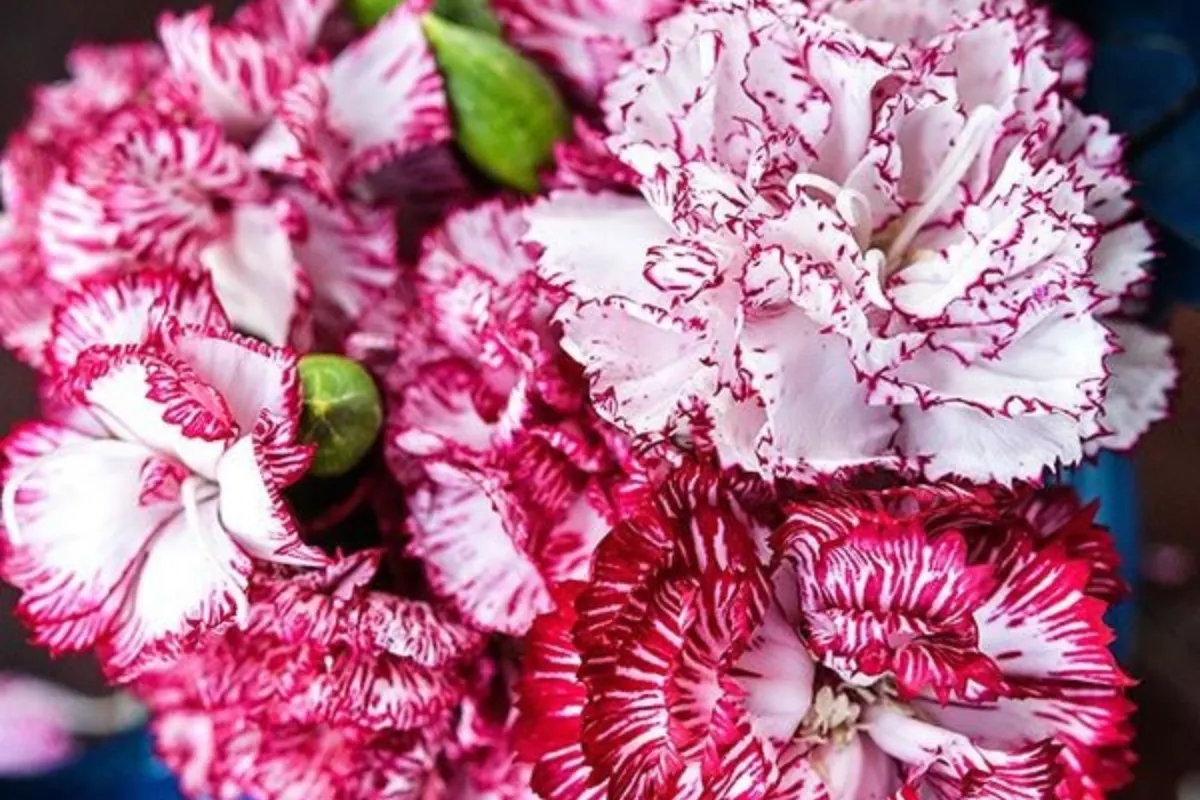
pixel 911 642
pixel 512 477
pixel 133 520
pixel 902 255
pixel 237 149
pixel 335 689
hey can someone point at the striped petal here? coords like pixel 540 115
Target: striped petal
pixel 380 99
pixel 236 75
pixel 131 309
pixel 472 538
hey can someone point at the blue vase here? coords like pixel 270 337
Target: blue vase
pixel 121 768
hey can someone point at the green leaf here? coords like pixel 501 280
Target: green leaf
pixel 507 113
pixel 475 14
pixel 343 413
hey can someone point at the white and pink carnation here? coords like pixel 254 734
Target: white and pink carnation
pixel 887 644
pixel 134 517
pixel 335 689
pixel 909 255
pixel 239 149
pixel 513 479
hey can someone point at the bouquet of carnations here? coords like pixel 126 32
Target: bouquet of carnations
pixel 581 399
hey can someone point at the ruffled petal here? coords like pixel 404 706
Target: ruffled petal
pixel 131 310
pixel 150 397
pixel 382 98
pixel 871 607
pixel 471 537
pixel 1143 376
pixel 1041 623
pixel 952 765
pixel 254 513
pixel 236 74
pixel 552 700
pixel 122 588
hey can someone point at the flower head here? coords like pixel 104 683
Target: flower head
pixel 238 149
pixel 916 641
pixel 132 525
pixel 905 255
pixel 513 479
pixel 334 689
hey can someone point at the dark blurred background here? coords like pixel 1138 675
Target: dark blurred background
pixel 34 38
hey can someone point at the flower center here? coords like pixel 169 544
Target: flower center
pixel 838 706
pixel 890 247
pixel 962 155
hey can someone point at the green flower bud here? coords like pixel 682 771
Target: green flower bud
pixel 507 113
pixel 342 412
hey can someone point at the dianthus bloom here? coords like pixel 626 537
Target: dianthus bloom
pixel 242 150
pixel 846 251
pixel 335 690
pixel 133 517
pixel 513 477
pixel 928 642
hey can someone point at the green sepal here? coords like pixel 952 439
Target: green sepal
pixel 507 113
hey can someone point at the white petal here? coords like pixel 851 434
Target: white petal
pixel 257 277
pixel 596 246
pixel 1143 374
pixel 254 513
pixel 817 413
pixel 467 534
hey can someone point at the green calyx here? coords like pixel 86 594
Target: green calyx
pixel 343 413
pixel 507 113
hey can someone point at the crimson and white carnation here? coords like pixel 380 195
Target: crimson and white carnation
pixel 513 478
pixel 911 642
pixel 335 689
pixel 237 149
pixel 906 255
pixel 133 520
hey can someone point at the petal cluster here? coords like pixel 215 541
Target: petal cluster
pixel 718 471
pixel 513 478
pixel 134 517
pixel 243 150
pixel 931 642
pixel 333 690
pixel 912 254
